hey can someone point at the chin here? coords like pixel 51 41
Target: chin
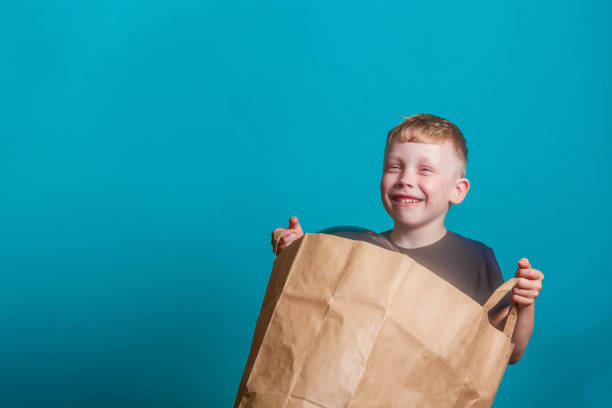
pixel 409 223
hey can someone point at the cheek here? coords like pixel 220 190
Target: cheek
pixel 386 183
pixel 436 189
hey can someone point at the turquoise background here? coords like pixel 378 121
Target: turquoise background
pixel 148 149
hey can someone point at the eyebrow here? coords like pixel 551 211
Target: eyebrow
pixel 427 162
pixel 422 160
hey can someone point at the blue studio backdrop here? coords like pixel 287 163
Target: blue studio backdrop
pixel 149 148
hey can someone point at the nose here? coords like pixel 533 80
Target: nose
pixel 406 179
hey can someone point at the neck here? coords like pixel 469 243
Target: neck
pixel 410 237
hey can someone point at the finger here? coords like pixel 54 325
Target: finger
pixel 521 300
pixel 278 232
pixel 296 227
pixel 277 236
pixel 531 294
pixel 523 263
pixel 529 284
pixel 537 274
pixel 276 242
pixel 289 236
pixel 294 238
pixel 294 223
pixel 529 273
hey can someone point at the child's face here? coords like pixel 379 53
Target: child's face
pixel 427 172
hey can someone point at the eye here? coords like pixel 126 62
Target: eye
pixel 393 166
pixel 426 169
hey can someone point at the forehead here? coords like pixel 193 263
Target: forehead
pixel 433 152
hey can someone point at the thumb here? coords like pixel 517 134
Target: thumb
pixel 523 263
pixel 294 223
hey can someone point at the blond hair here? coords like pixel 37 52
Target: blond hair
pixel 428 128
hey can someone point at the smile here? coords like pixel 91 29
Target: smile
pixel 406 201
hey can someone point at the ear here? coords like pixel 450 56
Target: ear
pixel 462 186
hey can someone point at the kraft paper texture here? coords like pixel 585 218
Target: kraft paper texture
pixel 347 324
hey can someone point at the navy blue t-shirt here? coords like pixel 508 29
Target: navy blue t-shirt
pixel 467 264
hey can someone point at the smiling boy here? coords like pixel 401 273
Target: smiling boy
pixel 423 176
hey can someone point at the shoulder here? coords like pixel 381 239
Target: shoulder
pixel 468 244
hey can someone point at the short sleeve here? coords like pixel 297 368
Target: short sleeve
pixel 494 278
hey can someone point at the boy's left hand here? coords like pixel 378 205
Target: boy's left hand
pixel 529 285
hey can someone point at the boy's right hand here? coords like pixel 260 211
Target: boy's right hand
pixel 287 235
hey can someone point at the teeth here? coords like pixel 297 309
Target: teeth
pixel 408 201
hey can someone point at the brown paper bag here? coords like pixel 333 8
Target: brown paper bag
pixel 346 323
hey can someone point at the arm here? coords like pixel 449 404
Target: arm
pixel 524 294
pixel 522 332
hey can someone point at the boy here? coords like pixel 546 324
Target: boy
pixel 423 175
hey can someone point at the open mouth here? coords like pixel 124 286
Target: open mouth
pixel 406 201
